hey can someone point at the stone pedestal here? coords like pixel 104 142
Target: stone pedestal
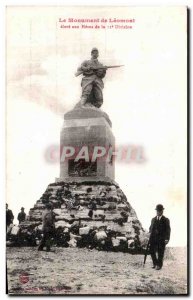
pixel 88 128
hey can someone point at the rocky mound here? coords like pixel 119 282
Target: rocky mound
pixel 87 214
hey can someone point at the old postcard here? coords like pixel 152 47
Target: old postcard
pixel 96 138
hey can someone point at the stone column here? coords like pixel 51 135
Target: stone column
pixel 87 127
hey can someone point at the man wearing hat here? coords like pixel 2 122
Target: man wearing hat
pixel 92 84
pixel 159 237
pixel 21 216
pixel 48 227
pixel 9 217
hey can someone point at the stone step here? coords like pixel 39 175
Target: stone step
pixel 126 228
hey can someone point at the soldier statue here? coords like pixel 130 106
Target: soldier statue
pixel 92 85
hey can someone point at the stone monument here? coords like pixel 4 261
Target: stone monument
pixel 91 209
pixel 87 128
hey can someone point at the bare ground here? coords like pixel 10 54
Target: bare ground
pixel 82 271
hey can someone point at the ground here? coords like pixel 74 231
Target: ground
pixel 83 271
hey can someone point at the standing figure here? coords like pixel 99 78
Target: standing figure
pixel 92 84
pixel 9 217
pixel 48 218
pixel 92 207
pixel 21 216
pixel 159 237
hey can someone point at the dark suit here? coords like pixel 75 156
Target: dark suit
pixel 48 227
pixel 159 233
pixel 9 217
pixel 21 217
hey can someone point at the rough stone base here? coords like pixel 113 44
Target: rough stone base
pixel 112 225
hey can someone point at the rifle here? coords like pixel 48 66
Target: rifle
pixel 146 251
pixel 97 68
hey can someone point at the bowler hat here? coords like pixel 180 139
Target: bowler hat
pixel 159 207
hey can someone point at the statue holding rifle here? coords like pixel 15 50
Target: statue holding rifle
pixel 92 85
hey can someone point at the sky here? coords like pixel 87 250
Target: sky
pixel 146 101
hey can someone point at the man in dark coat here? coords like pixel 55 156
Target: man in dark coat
pixel 159 237
pixel 9 216
pixel 48 228
pixel 21 216
pixel 92 207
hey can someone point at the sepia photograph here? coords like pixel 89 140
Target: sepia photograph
pixel 96 150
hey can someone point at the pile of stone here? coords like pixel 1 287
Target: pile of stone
pixel 88 214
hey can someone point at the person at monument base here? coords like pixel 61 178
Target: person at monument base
pixel 21 216
pixel 9 217
pixel 48 218
pixel 159 237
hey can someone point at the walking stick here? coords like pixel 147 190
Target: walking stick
pixel 146 251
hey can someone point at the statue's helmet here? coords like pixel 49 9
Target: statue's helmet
pixel 94 49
